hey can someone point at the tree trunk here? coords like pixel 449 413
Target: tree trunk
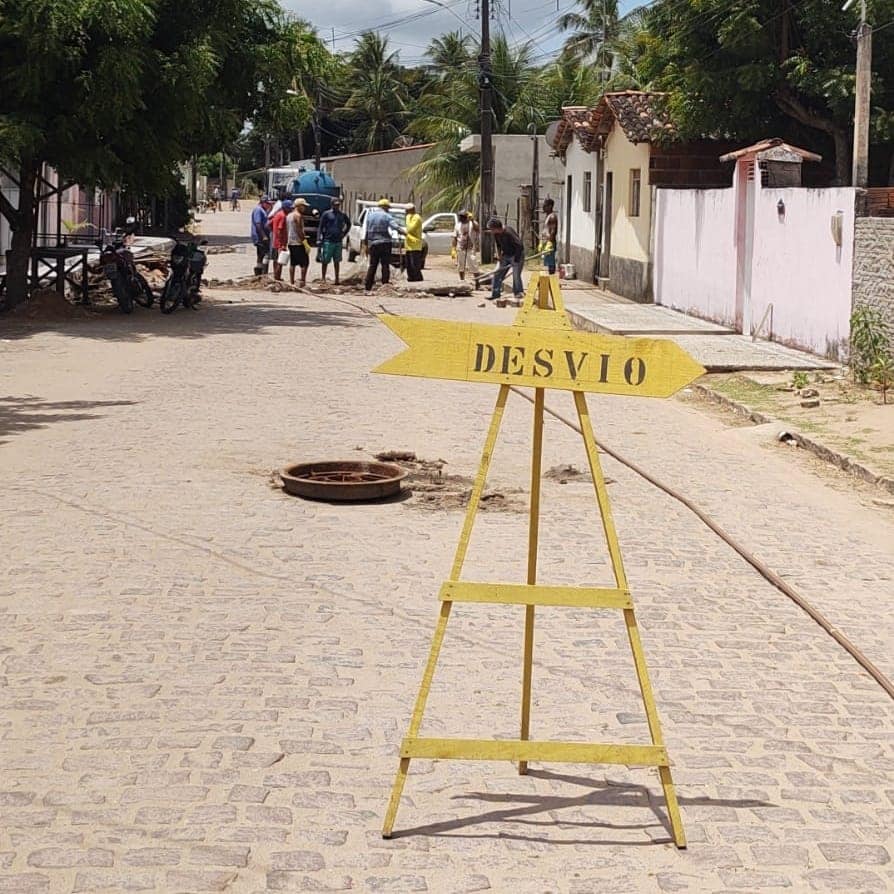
pixel 22 221
pixel 790 104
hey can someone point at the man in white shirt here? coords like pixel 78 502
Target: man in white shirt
pixel 466 238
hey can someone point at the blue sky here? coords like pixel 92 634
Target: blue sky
pixel 520 20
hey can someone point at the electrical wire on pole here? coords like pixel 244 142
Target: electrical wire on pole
pixel 485 92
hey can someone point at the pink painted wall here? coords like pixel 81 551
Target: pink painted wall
pixel 797 266
pixel 694 252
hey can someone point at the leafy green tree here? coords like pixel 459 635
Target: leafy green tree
pixel 449 112
pixel 752 68
pixel 377 102
pixel 116 93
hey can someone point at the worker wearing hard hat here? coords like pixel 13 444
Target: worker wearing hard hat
pixel 379 225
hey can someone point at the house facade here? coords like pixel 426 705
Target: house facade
pixel 615 154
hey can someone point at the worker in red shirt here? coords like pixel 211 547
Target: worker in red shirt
pixel 279 234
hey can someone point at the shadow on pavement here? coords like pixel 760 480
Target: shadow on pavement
pixel 19 414
pixel 598 794
pixel 213 317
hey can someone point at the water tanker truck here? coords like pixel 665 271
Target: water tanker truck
pixel 318 189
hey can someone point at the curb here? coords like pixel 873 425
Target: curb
pixel 827 454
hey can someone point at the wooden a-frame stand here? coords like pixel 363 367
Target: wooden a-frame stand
pixel 536 309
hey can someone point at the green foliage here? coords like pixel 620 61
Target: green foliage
pixel 869 342
pixel 209 165
pixel 748 69
pixel 377 102
pixel 882 373
pixel 800 380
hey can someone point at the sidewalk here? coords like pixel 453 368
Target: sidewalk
pixel 717 348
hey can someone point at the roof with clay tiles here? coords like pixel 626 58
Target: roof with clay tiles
pixel 641 115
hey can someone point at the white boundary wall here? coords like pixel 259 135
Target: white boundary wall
pixel 695 252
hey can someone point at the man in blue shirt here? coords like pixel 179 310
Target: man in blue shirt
pixel 379 226
pixel 260 229
pixel 334 225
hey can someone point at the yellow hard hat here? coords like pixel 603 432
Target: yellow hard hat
pixel 384 203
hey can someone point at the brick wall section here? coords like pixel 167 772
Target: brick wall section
pixel 874 266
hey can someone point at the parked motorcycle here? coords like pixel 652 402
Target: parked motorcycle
pixel 116 258
pixel 184 280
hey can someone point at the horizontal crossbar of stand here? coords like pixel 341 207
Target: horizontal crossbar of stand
pixel 524 594
pixel 519 750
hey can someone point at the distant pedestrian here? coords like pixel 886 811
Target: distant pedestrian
pixel 413 244
pixel 234 199
pixel 216 195
pixel 279 234
pixel 378 226
pixel 512 257
pixel 466 239
pixel 550 236
pixel 334 226
pixel 260 229
pixel 299 256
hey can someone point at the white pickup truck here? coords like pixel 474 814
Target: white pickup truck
pixel 437 231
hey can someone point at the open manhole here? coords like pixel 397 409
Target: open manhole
pixel 342 480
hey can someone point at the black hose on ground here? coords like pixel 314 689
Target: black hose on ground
pixel 768 574
pixel 751 559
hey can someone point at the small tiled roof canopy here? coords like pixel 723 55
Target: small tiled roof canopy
pixel 767 146
pixel 641 116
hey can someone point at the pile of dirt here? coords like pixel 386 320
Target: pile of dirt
pixel 432 489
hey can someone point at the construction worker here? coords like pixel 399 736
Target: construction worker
pixel 466 239
pixel 550 236
pixel 413 244
pixel 379 224
pixel 512 257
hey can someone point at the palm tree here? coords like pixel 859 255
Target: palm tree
pixel 449 54
pixel 377 103
pixel 600 34
pixel 451 113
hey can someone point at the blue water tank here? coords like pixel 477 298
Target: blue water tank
pixel 317 188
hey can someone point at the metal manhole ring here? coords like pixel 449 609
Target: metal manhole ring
pixel 342 480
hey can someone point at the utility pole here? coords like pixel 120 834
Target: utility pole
pixel 860 176
pixel 316 126
pixel 485 90
pixel 535 188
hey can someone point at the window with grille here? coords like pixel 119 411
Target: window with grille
pixel 588 190
pixel 633 198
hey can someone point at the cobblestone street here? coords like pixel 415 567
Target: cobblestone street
pixel 204 682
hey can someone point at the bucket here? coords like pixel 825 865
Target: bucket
pixel 568 271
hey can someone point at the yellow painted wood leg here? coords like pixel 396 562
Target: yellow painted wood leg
pixel 673 808
pixel 480 480
pixel 418 711
pixel 533 540
pixel 527 674
pixel 605 512
pixel 648 696
pixel 396 792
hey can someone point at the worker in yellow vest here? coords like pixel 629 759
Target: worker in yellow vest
pixel 413 244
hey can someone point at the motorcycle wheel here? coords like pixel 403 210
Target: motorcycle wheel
pixel 143 294
pixel 188 287
pixel 122 295
pixel 170 295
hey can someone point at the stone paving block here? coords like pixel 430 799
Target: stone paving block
pixel 850 852
pixel 118 880
pixel 309 861
pixel 285 880
pixel 198 880
pixel 217 855
pixel 59 858
pixel 25 883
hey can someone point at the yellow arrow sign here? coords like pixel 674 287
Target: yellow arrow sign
pixel 541 358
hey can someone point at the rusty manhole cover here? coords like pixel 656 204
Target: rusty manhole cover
pixel 342 480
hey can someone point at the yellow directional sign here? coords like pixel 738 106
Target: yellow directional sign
pixel 542 350
pixel 540 357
